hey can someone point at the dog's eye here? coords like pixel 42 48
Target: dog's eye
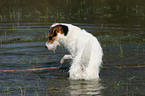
pixel 50 38
pixel 55 33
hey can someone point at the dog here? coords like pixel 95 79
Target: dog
pixel 86 51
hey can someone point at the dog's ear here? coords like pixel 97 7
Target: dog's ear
pixel 65 29
pixel 58 29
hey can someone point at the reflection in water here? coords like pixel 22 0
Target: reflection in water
pixel 81 87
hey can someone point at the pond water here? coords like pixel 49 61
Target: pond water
pixel 23 37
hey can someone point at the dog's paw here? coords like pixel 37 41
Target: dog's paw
pixel 64 58
pixel 62 61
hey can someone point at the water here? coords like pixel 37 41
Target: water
pixel 23 37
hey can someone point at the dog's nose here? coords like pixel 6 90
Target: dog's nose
pixel 45 46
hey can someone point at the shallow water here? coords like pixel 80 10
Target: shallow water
pixel 119 27
pixel 122 45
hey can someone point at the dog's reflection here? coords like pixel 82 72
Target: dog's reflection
pixel 82 87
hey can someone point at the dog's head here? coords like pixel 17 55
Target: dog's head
pixel 56 30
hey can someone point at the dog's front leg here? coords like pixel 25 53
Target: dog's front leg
pixel 65 57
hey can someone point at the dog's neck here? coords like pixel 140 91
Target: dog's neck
pixel 70 40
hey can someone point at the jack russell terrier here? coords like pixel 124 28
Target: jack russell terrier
pixel 85 49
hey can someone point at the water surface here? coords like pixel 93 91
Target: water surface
pixel 23 34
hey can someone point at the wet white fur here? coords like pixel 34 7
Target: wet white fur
pixel 86 52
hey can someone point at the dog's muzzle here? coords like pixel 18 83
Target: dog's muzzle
pixel 51 46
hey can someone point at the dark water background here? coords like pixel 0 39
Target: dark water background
pixel 119 25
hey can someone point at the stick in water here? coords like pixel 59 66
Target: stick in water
pixel 35 69
pixel 39 69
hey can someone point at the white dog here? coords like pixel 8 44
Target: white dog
pixel 86 52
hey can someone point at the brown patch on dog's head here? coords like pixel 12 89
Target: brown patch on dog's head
pixel 62 29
